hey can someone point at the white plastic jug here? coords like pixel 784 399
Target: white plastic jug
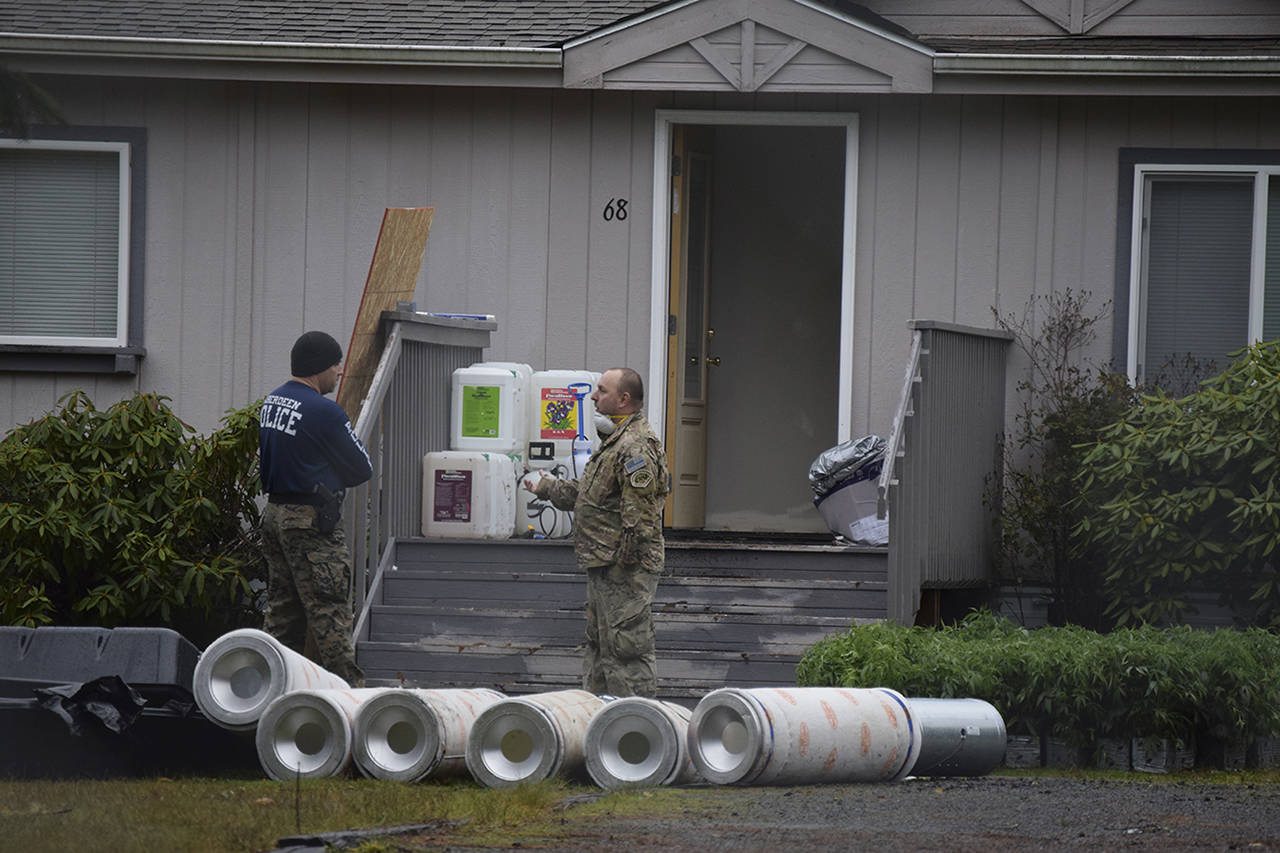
pixel 553 414
pixel 539 517
pixel 489 412
pixel 469 494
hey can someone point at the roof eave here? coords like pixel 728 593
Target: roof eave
pixel 1013 64
pixel 274 52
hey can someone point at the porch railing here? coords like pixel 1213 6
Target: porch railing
pixel 405 416
pixel 942 459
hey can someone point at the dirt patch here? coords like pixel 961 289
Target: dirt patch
pixel 987 814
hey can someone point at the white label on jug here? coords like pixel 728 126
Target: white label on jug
pixel 452 496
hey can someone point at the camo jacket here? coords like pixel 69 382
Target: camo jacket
pixel 617 502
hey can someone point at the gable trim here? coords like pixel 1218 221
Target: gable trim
pixel 655 51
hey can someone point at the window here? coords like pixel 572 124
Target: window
pixel 70 259
pixel 1202 277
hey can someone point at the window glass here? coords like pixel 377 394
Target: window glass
pixel 1271 275
pixel 1197 272
pixel 60 269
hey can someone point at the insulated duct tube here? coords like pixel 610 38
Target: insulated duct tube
pixel 802 735
pixel 959 737
pixel 639 741
pixel 308 733
pixel 243 671
pixel 531 738
pixel 410 735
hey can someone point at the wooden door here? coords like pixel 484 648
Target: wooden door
pixel 690 337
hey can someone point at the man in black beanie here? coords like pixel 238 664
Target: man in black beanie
pixel 308 455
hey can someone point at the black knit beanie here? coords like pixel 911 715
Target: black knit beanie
pixel 314 352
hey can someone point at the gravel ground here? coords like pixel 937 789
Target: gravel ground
pixel 992 813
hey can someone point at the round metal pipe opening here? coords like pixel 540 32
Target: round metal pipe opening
pixel 633 741
pixel 512 742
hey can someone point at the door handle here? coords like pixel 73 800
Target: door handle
pixel 713 360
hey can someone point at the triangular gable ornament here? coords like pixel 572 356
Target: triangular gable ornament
pixel 748 46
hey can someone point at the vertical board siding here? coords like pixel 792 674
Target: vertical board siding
pixel 940 519
pixel 569 241
pixel 608 248
pixel 415 420
pixel 264 202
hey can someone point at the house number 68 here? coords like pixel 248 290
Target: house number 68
pixel 615 209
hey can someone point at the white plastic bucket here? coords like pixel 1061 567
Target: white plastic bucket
pixel 803 735
pixel 489 411
pixel 407 735
pixel 307 734
pixel 553 412
pixel 244 671
pixel 531 738
pixel 540 517
pixel 637 741
pixel 469 494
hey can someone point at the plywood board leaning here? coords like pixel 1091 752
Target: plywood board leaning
pixel 393 277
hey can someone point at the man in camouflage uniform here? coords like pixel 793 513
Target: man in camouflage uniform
pixel 617 505
pixel 308 455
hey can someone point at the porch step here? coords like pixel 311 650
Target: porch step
pixel 509 615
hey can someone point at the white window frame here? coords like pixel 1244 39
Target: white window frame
pixel 1142 172
pixel 123 151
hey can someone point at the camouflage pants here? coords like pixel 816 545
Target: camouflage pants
pixel 308 588
pixel 620 658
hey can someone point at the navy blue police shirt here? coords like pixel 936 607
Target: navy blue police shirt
pixel 304 439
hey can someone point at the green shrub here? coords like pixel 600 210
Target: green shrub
pixel 1070 682
pixel 1182 495
pixel 123 517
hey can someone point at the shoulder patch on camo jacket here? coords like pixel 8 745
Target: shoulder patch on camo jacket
pixel 635 464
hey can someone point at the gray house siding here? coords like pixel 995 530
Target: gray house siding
pixel 264 202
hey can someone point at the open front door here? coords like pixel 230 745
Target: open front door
pixel 689 335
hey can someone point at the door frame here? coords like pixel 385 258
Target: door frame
pixel 660 284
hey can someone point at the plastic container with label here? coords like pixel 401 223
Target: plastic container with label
pixel 489 412
pixel 553 413
pixel 469 494
pixel 539 517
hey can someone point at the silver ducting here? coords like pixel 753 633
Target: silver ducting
pixel 802 735
pixel 410 735
pixel 531 738
pixel 308 733
pixel 959 737
pixel 243 671
pixel 639 741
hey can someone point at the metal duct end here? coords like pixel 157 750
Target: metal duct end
pixel 513 741
pixel 726 736
pixel 238 676
pixel 398 737
pixel 961 737
pixel 303 734
pixel 633 742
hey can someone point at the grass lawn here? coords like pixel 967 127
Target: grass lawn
pixel 199 814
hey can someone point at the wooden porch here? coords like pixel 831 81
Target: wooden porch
pixel 731 609
pixel 508 614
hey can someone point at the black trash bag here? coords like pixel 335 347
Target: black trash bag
pixel 855 459
pixel 103 703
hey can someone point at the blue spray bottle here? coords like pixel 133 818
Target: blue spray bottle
pixel 581 444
